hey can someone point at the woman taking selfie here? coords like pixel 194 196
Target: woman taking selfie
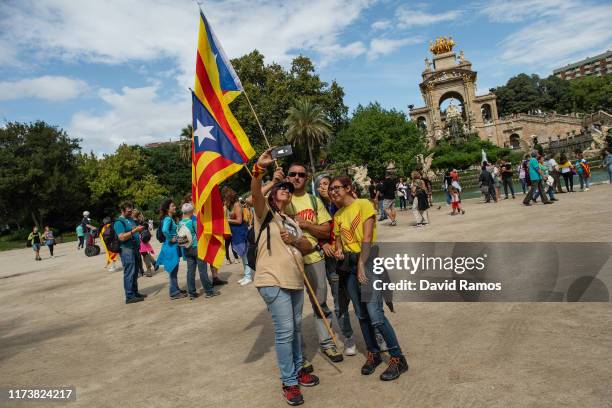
pixel 279 277
pixel 355 232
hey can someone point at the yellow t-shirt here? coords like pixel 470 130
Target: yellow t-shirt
pixel 348 224
pixel 302 206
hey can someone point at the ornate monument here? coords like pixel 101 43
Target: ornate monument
pixel 450 77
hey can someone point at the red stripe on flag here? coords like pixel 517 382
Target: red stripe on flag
pixel 213 167
pixel 215 105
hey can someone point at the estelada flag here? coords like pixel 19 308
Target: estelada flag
pixel 219 145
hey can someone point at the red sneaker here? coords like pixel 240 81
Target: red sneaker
pixel 307 380
pixel 293 395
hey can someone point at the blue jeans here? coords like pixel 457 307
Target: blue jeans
pixel 584 181
pixel 192 263
pixel 550 190
pixel 173 279
pixel 381 210
pixel 340 298
pixel 129 261
pixel 371 315
pixel 610 173
pixel 285 307
pixel 447 196
pixel 523 185
pixel 248 272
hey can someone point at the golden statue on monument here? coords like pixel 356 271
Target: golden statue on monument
pixel 441 45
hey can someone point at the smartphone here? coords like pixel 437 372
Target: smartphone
pixel 282 151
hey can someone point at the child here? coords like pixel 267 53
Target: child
pixel 81 236
pixel 456 202
pixel 111 257
pixel 146 251
pixel 420 204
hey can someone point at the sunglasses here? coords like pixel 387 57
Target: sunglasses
pixel 296 174
pixel 333 189
pixel 284 188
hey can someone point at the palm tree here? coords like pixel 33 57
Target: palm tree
pixel 185 143
pixel 307 125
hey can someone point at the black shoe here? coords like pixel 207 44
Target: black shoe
pixel 371 363
pixel 397 366
pixel 179 295
pixel 141 295
pixel 554 199
pixel 527 204
pixel 155 267
pixel 217 281
pixel 307 366
pixel 548 202
pixel 193 296
pixel 133 300
pixel 212 294
pixel 182 291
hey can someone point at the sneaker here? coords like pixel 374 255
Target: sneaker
pixel 549 202
pixel 216 281
pixel 462 212
pixel 179 295
pixel 586 189
pixel 141 295
pixel 241 280
pixel 373 361
pixel 246 282
pixel 193 296
pixel 307 379
pixel 349 346
pixel 332 354
pixel 397 366
pixel 293 395
pixel 212 294
pixel 133 300
pixel 183 291
pixel 393 223
pixel 112 269
pixel 307 366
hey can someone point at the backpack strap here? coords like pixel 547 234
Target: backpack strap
pixel 315 205
pixel 265 224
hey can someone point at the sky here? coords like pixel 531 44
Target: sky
pixel 118 71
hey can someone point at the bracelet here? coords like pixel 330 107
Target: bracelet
pixel 258 171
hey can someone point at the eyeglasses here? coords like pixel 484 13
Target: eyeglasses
pixel 333 189
pixel 296 174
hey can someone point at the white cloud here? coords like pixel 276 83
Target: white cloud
pixel 51 88
pixel 519 10
pixel 385 46
pixel 381 25
pixel 408 17
pixel 117 31
pixel 136 116
pixel 554 39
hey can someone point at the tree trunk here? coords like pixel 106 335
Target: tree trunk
pixel 312 166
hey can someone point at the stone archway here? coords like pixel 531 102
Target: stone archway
pixel 450 96
pixel 486 112
pixel 515 141
pixel 422 123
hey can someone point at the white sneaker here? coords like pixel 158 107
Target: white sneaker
pixel 241 280
pixel 586 189
pixel 349 347
pixel 246 282
pixel 112 269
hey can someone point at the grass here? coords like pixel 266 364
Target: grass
pixel 8 245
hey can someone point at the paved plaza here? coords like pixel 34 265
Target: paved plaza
pixel 64 322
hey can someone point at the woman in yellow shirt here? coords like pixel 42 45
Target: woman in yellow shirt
pixel 355 232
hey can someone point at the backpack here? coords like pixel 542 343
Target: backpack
pixel 253 244
pixel 111 239
pixel 161 238
pixel 586 169
pixel 145 235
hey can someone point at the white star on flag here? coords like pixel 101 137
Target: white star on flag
pixel 203 132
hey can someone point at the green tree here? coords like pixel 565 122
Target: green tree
pixel 307 126
pixel 172 173
pixel 591 94
pixel 465 154
pixel 124 175
pixel 40 181
pixel 375 136
pixel 185 143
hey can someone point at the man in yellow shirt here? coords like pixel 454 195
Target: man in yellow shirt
pixel 314 220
